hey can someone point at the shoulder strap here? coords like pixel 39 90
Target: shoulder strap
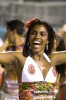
pixel 47 58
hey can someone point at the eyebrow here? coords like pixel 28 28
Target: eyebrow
pixel 39 31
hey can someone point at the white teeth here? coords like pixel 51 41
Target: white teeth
pixel 37 42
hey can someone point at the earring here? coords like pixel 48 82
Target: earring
pixel 46 46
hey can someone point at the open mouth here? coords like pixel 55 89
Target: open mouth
pixel 36 44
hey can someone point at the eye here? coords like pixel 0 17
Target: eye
pixel 33 32
pixel 43 33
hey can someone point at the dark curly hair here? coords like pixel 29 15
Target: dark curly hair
pixel 51 35
pixel 16 24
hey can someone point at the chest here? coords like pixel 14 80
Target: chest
pixel 37 70
pixel 44 67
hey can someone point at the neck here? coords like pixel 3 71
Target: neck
pixel 18 41
pixel 37 56
pixel 19 47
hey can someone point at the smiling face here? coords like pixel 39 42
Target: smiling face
pixel 38 38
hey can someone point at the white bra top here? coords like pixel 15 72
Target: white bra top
pixel 32 73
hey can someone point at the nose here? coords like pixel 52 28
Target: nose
pixel 37 35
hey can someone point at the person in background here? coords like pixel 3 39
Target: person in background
pixel 14 43
pixel 36 73
pixel 61 95
pixel 59 45
pixel 62 33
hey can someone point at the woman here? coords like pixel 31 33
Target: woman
pixel 36 74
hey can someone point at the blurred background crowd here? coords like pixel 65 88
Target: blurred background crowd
pixel 53 11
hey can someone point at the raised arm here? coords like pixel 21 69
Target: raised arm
pixel 58 58
pixel 10 57
pixel 7 57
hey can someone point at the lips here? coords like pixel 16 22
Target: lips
pixel 36 44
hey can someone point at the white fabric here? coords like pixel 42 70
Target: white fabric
pixel 1 42
pixel 12 87
pixel 27 77
pixel 37 76
pixel 50 77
